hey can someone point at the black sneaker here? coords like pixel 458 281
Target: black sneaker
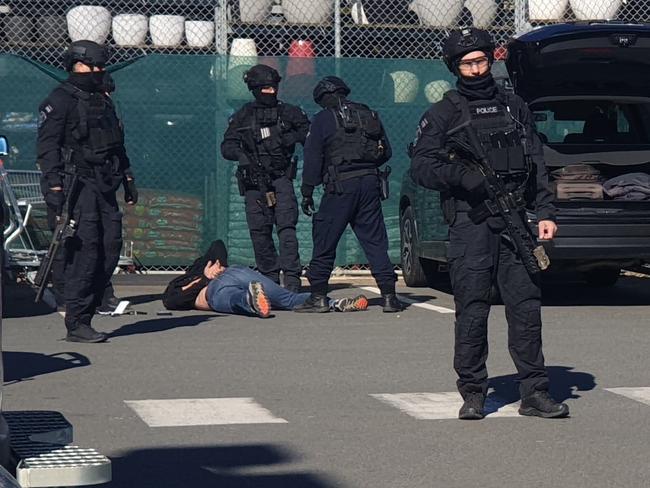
pixel 355 304
pixel 472 409
pixel 315 303
pixel 108 306
pixel 85 333
pixel 392 303
pixel 257 299
pixel 541 404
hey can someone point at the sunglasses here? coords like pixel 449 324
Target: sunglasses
pixel 469 64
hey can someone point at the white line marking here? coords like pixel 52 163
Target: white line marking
pixel 641 394
pixel 62 314
pixel 202 411
pixel 443 406
pixel 428 306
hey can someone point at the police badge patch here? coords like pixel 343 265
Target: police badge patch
pixel 42 115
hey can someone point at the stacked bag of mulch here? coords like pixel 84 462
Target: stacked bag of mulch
pixel 577 182
pixel 166 228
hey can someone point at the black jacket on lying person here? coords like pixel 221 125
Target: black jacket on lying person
pixel 175 298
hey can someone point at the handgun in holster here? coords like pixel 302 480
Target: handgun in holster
pixel 333 182
pixel 384 185
pixel 292 170
pixel 243 173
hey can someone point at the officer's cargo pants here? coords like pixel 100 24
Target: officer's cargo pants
pixel 477 256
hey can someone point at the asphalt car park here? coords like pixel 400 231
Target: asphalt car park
pixel 362 399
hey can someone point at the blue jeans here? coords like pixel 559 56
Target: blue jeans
pixel 228 292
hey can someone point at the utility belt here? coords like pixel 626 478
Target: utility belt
pixel 250 177
pixel 104 174
pixel 489 208
pixel 333 178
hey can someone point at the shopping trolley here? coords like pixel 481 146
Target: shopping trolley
pixel 22 193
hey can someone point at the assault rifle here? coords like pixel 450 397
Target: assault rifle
pixel 65 228
pixel 501 201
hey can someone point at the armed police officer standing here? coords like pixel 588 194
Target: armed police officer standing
pixel 478 146
pixel 81 153
pixel 262 136
pixel 344 149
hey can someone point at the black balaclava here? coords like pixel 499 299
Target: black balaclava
pixel 477 87
pixel 331 100
pixel 90 82
pixel 266 99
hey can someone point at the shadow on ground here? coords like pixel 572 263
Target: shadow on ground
pixel 564 381
pixel 21 366
pixel 208 466
pixel 151 326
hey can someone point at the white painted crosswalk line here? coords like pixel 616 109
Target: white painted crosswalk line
pixel 427 306
pixel 442 406
pixel 640 394
pixel 183 412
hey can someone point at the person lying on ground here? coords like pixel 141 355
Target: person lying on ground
pixel 210 284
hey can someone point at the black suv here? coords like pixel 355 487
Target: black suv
pixel 587 85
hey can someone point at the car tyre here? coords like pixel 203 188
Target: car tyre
pixel 413 270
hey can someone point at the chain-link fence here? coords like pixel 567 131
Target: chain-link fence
pixel 300 28
pixel 186 80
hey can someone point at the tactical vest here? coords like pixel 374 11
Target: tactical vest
pixel 502 137
pixel 99 135
pixel 269 151
pixel 357 139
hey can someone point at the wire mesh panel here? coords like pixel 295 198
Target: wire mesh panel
pixel 39 29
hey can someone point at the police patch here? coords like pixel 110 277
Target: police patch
pixel 487 110
pixel 42 117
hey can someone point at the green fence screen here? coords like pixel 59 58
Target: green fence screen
pixel 175 110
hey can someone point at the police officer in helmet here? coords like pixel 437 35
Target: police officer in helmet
pixel 345 147
pixel 262 136
pixel 80 150
pixel 480 253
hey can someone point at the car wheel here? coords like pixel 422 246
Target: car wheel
pixel 412 269
pixel 602 277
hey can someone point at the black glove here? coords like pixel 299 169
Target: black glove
pixel 130 191
pixel 55 200
pixel 307 206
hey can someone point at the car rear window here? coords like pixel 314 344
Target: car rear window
pixel 615 123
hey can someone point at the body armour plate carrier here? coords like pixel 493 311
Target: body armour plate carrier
pixel 502 138
pixel 269 150
pixel 358 136
pixel 99 135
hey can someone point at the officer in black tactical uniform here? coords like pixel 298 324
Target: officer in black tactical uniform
pixel 480 253
pixel 262 136
pixel 79 134
pixel 345 147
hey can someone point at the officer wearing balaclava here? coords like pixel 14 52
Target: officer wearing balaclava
pixel 480 254
pixel 262 136
pixel 79 133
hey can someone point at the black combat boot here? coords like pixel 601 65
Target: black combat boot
pixel 85 333
pixel 392 303
pixel 472 409
pixel 541 404
pixel 316 303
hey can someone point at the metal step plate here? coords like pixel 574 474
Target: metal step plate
pixel 39 438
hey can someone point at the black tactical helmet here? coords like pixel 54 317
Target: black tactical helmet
pixel 463 41
pixel 87 52
pixel 330 84
pixel 261 75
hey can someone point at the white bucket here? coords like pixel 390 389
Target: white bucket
pixel 253 11
pixel 199 33
pixel 307 11
pixel 592 9
pixel 130 29
pixel 483 12
pixel 435 90
pixel 89 22
pixel 546 9
pixel 406 86
pixel 437 13
pixel 166 30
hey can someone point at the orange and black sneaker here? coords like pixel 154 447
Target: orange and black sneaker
pixel 355 304
pixel 257 299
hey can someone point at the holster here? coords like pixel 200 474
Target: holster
pixel 292 170
pixel 384 184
